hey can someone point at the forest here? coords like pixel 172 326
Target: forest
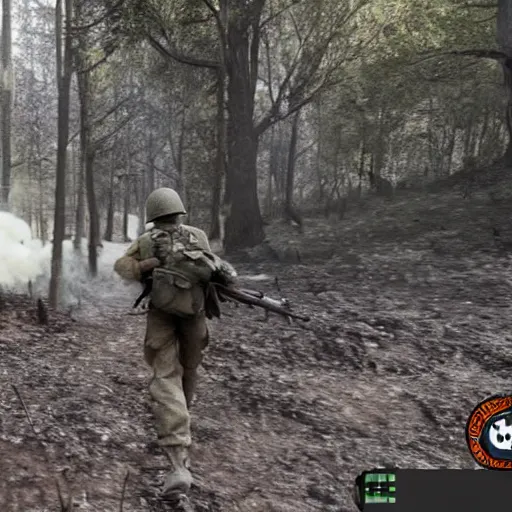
pixel 350 158
pixel 253 111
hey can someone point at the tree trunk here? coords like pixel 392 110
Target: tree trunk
pixel 64 72
pixel 451 147
pixel 244 225
pixel 7 82
pixel 379 152
pixel 504 39
pixel 94 221
pixel 111 207
pixel 109 227
pixel 177 156
pixel 80 204
pixel 141 194
pixel 483 134
pixel 467 139
pixel 362 157
pixel 290 211
pixel 87 149
pixel 126 207
pixel 182 185
pixel 215 227
pixel 272 173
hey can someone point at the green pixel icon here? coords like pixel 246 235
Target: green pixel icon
pixel 379 488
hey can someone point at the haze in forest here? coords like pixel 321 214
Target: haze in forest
pixel 270 112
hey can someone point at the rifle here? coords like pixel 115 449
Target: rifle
pixel 147 281
pixel 256 298
pixel 218 292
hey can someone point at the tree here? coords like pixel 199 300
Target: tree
pixel 64 59
pixel 504 39
pixel 235 30
pixel 7 83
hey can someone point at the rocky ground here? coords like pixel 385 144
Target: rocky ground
pixel 411 327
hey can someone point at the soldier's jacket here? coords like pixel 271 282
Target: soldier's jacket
pixel 128 265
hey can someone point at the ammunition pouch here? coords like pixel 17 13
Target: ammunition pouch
pixel 176 293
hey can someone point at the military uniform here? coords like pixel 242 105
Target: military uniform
pixel 173 346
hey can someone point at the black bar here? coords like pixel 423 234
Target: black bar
pixel 448 490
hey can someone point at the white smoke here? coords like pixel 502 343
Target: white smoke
pixel 24 259
pixel 19 259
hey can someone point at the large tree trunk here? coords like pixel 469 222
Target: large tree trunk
pixel 244 225
pixel 504 39
pixel 7 82
pixel 64 72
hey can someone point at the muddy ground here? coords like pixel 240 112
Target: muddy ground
pixel 411 327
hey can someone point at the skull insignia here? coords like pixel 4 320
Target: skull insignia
pixel 500 434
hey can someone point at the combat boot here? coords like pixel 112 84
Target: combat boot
pixel 179 480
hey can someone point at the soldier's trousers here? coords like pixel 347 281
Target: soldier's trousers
pixel 174 349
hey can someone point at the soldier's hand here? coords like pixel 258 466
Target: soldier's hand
pixel 161 246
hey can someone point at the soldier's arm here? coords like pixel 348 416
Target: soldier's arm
pixel 131 267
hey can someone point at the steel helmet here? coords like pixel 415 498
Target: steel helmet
pixel 161 202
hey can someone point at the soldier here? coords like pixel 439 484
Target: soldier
pixel 173 344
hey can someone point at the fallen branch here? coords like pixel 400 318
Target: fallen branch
pixel 125 482
pixel 65 505
pixel 20 398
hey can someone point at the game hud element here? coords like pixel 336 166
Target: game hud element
pixel 375 486
pixel 489 433
pixel 432 490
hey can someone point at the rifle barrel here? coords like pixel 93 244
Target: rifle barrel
pixel 265 303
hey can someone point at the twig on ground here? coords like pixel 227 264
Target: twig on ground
pixel 125 482
pixel 25 409
pixel 65 505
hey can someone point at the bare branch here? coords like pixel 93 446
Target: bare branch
pixel 478 53
pixel 101 19
pixel 92 67
pixel 272 17
pixel 65 505
pixel 170 53
pixel 111 111
pixel 99 142
pixel 125 482
pixel 480 6
pixel 303 151
pixel 212 8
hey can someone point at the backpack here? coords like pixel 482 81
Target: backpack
pixel 178 285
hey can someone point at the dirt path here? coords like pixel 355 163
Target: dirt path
pixel 406 339
pixel 287 416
